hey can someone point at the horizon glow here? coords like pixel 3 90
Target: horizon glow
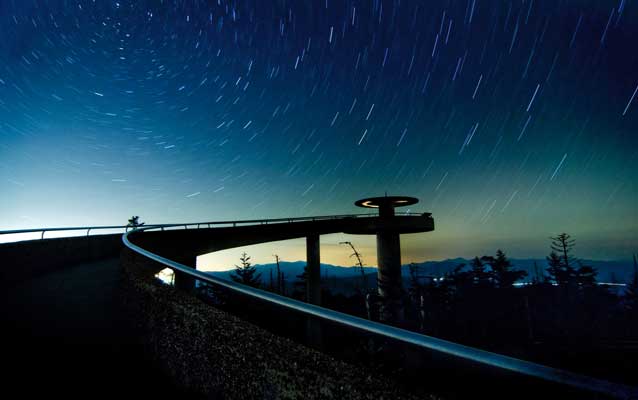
pixel 511 124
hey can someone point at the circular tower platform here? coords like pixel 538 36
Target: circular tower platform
pixel 386 204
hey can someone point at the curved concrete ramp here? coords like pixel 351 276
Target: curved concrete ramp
pixel 185 243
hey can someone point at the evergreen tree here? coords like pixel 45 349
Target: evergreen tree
pixel 562 264
pixel 562 245
pixel 586 276
pixel 502 270
pixel 299 285
pixel 555 269
pixel 631 293
pixel 271 286
pixel 134 222
pixel 416 288
pixel 280 277
pixel 480 276
pixel 459 278
pixel 537 275
pixel 246 273
pixel 282 285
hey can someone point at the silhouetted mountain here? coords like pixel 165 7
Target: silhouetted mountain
pixel 607 270
pixel 293 268
pixel 622 270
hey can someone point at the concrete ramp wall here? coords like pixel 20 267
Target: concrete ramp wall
pixel 20 261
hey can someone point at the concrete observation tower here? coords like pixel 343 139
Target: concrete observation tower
pixel 184 246
pixel 388 231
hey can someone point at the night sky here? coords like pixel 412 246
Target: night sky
pixel 512 121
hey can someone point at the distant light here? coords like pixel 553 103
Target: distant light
pixel 166 275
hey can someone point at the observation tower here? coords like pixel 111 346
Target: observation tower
pixel 388 231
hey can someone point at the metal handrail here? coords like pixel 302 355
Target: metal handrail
pixel 500 361
pixel 70 228
pixel 88 230
pixel 198 224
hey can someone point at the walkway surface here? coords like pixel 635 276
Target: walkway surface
pixel 65 335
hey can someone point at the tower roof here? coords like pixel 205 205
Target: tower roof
pixel 391 201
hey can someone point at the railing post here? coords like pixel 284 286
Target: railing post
pixel 42 236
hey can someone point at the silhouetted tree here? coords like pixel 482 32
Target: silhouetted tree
pixel 585 276
pixel 563 244
pixel 562 264
pixel 271 284
pixel 357 255
pixel 415 285
pixel 537 275
pixel 282 285
pixel 279 275
pixel 631 293
pixel 502 270
pixel 458 278
pixel 299 285
pixel 246 273
pixel 480 276
pixel 436 302
pixel 134 222
pixel 555 269
pixel 565 274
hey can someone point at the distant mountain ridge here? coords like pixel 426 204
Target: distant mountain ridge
pixel 608 271
pixel 293 268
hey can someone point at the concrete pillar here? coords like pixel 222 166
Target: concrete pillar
pixel 183 281
pixel 386 211
pixel 313 285
pixel 389 276
pixel 313 291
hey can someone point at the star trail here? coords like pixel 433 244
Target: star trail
pixel 510 120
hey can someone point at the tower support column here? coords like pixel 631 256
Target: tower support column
pixel 182 281
pixel 390 286
pixel 313 290
pixel 313 260
pixel 389 283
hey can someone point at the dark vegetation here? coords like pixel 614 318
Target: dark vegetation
pixel 212 354
pixel 563 317
pixel 246 273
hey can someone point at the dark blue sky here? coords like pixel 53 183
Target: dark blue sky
pixel 511 121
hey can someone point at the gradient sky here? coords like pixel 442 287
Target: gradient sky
pixel 511 121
